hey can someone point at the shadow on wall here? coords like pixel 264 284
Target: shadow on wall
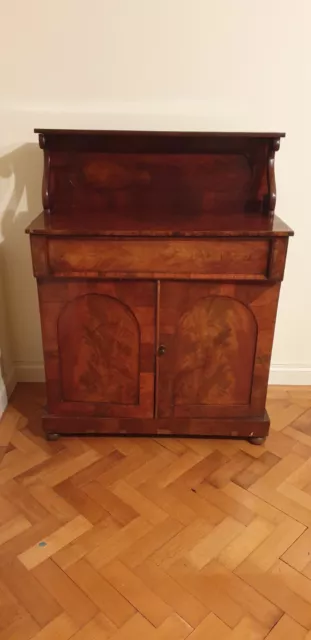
pixel 24 166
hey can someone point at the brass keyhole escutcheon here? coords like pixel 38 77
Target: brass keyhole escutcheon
pixel 161 350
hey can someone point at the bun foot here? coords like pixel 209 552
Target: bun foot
pixel 257 440
pixel 51 437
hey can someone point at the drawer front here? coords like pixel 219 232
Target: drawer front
pixel 221 257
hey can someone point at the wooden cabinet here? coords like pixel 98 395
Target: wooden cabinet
pixel 158 260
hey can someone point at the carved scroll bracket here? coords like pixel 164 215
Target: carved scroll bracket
pixel 274 146
pixel 42 141
pixel 46 180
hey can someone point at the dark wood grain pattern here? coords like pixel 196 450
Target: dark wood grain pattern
pixel 155 182
pixel 231 258
pixel 98 340
pixel 159 261
pixel 214 341
pixel 278 258
pixel 218 349
pixel 146 172
pixel 215 256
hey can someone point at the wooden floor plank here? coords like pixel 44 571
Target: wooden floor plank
pixel 287 628
pixel 23 628
pixel 137 592
pixel 99 628
pixel 13 528
pixel 212 627
pixel 203 588
pixel 65 591
pixel 163 539
pixel 254 604
pixel 105 597
pixel 181 601
pixel 52 543
pixel 61 628
pixel 274 589
pixel 174 628
pixel 37 601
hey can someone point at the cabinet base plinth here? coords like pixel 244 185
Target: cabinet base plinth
pixel 255 429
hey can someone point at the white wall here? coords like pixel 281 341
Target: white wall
pixel 158 64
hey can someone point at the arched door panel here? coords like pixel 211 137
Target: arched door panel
pixel 210 345
pixel 99 340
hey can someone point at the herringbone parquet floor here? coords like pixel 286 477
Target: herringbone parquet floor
pixel 158 539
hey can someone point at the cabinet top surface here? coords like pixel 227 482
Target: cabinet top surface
pixel 185 134
pixel 98 225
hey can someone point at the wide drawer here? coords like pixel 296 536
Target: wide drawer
pixel 212 257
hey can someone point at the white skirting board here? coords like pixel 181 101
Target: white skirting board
pixel 293 374
pixel 7 387
pixel 29 372
pixel 3 397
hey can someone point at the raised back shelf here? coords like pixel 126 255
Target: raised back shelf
pixel 148 174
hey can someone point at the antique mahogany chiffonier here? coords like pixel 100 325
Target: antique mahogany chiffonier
pixel 159 261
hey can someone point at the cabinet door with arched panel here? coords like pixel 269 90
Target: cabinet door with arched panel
pixel 99 347
pixel 215 343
